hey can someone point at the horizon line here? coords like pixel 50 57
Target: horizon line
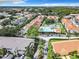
pixel 45 4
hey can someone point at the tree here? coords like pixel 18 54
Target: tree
pixel 73 53
pixel 33 32
pixel 8 31
pixel 5 22
pixel 2 52
pixel 49 21
pixel 30 50
pixel 57 56
pixel 11 17
pixel 2 17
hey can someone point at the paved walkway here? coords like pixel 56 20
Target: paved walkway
pixel 63 57
pixel 45 50
pixel 68 57
pixel 46 44
pixel 48 38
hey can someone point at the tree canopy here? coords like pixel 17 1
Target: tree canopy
pixel 33 31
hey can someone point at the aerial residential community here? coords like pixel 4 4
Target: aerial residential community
pixel 39 33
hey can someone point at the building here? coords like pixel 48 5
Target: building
pixel 54 18
pixel 14 43
pixel 71 23
pixel 35 22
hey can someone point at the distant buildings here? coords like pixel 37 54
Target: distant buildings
pixel 19 21
pixel 50 29
pixel 35 22
pixel 71 23
pixel 53 17
pixel 28 16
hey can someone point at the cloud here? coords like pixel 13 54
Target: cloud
pixel 12 1
pixel 53 4
pixel 59 4
pixel 23 3
pixel 19 2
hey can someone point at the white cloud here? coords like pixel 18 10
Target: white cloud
pixel 59 4
pixel 22 3
pixel 12 1
pixel 54 4
pixel 18 2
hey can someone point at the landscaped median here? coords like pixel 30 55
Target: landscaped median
pixel 63 49
pixel 39 53
pixel 40 47
pixel 2 52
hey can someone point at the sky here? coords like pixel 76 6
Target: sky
pixel 39 2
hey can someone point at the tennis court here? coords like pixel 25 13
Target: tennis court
pixel 64 47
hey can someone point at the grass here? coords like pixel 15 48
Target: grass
pixel 40 47
pixel 50 48
pixel 56 40
pixel 62 28
pixel 50 51
pixel 74 57
pixel 55 23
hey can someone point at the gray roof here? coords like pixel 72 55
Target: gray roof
pixel 14 42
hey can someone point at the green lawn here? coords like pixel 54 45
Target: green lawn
pixel 56 40
pixel 50 51
pixel 62 28
pixel 50 48
pixel 74 57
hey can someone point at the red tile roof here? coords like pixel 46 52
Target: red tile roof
pixel 69 24
pixel 52 17
pixel 37 22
